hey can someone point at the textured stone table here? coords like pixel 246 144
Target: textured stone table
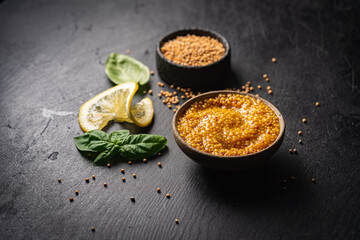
pixel 52 56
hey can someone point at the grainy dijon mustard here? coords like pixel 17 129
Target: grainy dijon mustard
pixel 192 50
pixel 229 125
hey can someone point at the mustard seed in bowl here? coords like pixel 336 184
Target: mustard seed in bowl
pixel 229 125
pixel 192 50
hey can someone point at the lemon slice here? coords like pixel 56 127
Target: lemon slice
pixel 114 104
pixel 142 112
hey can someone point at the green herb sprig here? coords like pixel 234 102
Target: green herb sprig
pixel 137 146
pixel 121 68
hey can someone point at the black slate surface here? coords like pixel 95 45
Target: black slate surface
pixel 52 56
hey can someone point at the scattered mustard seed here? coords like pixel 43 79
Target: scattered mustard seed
pixel 251 89
pixel 159 164
pixel 273 60
pixel 257 95
pixel 93 229
pixel 128 51
pixel 87 180
pixel 295 151
pixel 150 92
pixel 168 195
pixel 144 92
pixel 122 170
pixel 177 221
pixel 134 175
pixel 171 86
pixel 268 87
pixel 158 190
pixel 317 104
pixel 123 179
pixel 93 177
pixel 265 76
pixel 304 120
pixel 300 141
pixel 159 154
pixel 71 199
pixel 108 165
pixel 174 110
pixel 129 162
pixel 266 79
pixel 259 86
pixel 105 184
pixel 313 180
pixel 132 199
pixel 76 192
pixel 151 72
pixel 145 160
pixel 59 180
pixel 290 151
pixel 300 133
pixel 270 91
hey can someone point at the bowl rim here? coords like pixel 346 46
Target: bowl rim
pixel 206 95
pixel 220 37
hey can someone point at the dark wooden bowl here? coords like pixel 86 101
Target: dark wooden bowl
pixel 193 76
pixel 231 163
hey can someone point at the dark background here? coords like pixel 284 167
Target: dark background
pixel 52 56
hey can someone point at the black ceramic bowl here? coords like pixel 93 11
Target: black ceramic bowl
pixel 226 163
pixel 198 77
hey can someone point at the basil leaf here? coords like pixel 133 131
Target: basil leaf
pixel 119 137
pixel 105 156
pixel 142 146
pixel 121 68
pixel 92 141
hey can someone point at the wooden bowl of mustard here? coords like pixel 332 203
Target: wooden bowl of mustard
pixel 193 76
pixel 238 162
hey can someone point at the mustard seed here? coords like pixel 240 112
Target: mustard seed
pixel 300 141
pixel 270 91
pixel 93 177
pixel 105 184
pixel 268 87
pixel 259 86
pixel 174 110
pixel 284 180
pixel 300 133
pixel 150 92
pixel 134 175
pixel 123 179
pixel 132 199
pixel 159 154
pixel 283 188
pixel 265 76
pixel 71 199
pixel 257 95
pixel 168 195
pixel 251 89
pixel 145 160
pixel 290 151
pixel 59 180
pixel 292 177
pixel 122 170
pixel 295 151
pixel 87 180
pixel 144 92
pixel 273 60
pixel 171 86
pixel 313 180
pixel 159 164
pixel 128 51
pixel 129 162
pixel 177 221
pixel 304 120
pixel 158 190
pixel 108 165
pixel 76 192
pixel 317 104
pixel 266 79
pixel 93 229
pixel 151 72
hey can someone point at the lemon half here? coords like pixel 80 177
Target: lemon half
pixel 114 104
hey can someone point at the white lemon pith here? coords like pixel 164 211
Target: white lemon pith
pixel 115 104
